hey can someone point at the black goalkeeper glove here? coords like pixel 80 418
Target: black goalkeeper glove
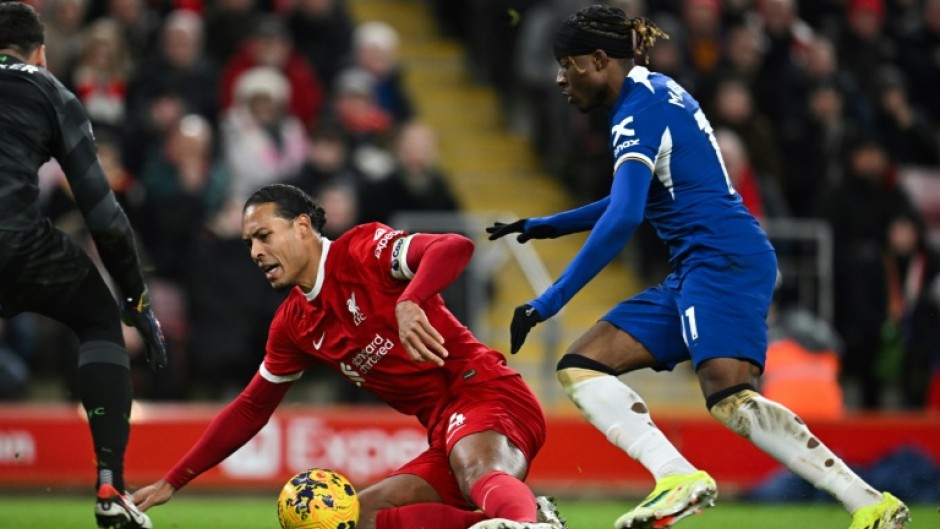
pixel 138 314
pixel 500 229
pixel 523 319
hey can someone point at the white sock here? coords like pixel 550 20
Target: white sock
pixel 620 413
pixel 782 435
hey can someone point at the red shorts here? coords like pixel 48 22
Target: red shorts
pixel 505 405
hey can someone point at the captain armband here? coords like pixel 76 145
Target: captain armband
pixel 399 262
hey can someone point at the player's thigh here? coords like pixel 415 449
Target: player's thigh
pixel 613 347
pixel 723 304
pixel 643 331
pixel 497 425
pixel 41 268
pixel 89 310
pixel 396 490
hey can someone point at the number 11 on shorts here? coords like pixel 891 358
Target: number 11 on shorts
pixel 689 328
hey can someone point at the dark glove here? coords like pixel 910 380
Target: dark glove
pixel 500 229
pixel 523 319
pixel 138 314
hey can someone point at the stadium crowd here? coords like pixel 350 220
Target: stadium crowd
pixel 821 107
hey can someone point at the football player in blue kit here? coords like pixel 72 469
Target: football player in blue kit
pixel 711 309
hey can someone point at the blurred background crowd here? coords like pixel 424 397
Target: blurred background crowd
pixel 823 109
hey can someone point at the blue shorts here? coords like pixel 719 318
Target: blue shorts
pixel 715 308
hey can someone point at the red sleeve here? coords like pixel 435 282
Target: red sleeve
pixel 234 426
pixel 432 262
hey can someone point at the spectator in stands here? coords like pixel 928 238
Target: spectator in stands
pixel 546 119
pixel 229 23
pixel 911 335
pixel 741 172
pixel 63 20
pixel 322 32
pixel 356 110
pixel 328 160
pixel 821 65
pixel 821 140
pixel 270 46
pixel 183 183
pixel 340 200
pixel 262 142
pixel 786 36
pixel 139 23
pixel 375 46
pixel 702 36
pixel 226 333
pixel 101 74
pixel 862 43
pixel 802 370
pixel 859 210
pixel 417 184
pixel 734 108
pixel 918 58
pixel 674 57
pixel 175 80
pixel 907 134
pixel 741 58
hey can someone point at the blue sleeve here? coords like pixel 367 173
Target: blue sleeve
pixel 574 220
pixel 613 230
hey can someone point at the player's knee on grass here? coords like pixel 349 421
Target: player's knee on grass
pixel 728 404
pixel 574 368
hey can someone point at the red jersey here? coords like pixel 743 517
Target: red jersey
pixel 347 321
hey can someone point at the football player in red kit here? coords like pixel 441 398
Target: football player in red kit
pixel 368 306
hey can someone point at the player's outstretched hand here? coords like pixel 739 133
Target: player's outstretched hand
pixel 501 229
pixel 420 339
pixel 523 319
pixel 154 494
pixel 137 313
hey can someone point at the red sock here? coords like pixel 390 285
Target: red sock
pixel 500 495
pixel 427 516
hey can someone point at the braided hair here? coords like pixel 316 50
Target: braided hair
pixel 289 202
pixel 610 29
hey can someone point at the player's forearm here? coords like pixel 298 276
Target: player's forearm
pixel 437 260
pixel 234 426
pixel 575 220
pixel 604 243
pixel 112 233
pixel 613 230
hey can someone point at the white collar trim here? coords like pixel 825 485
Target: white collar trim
pixel 641 75
pixel 318 283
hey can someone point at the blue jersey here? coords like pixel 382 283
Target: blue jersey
pixel 668 169
pixel 691 202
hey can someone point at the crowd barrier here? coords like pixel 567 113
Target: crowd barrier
pixel 48 447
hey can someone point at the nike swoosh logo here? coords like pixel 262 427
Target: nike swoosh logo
pixel 529 311
pixel 318 343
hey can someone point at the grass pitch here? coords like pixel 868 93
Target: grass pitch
pixel 253 512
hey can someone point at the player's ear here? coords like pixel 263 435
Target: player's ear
pixel 599 59
pixel 305 226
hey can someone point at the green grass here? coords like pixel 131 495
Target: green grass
pixel 253 512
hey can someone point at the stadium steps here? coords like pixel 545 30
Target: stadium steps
pixel 495 171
